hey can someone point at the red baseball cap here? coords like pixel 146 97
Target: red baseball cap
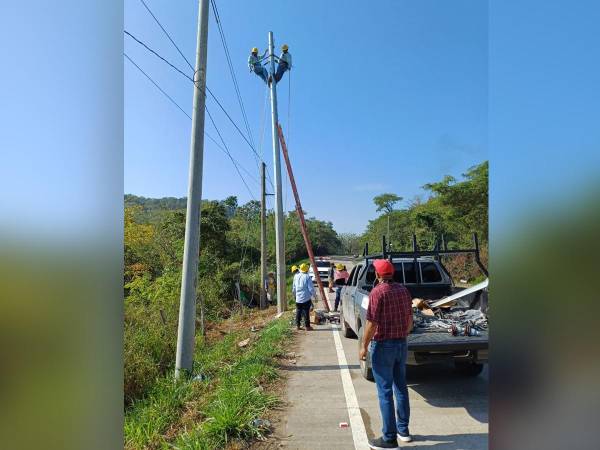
pixel 383 267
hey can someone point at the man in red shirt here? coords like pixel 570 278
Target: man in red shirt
pixel 389 320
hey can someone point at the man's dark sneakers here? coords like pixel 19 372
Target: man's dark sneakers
pixel 381 444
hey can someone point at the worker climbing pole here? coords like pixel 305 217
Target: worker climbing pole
pixel 271 77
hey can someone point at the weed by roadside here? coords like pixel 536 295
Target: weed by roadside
pixel 210 413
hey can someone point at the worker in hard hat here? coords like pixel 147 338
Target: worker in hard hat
pixel 285 62
pixel 303 292
pixel 342 275
pixel 331 277
pixel 255 64
pixel 295 270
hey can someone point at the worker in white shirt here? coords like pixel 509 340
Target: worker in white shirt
pixel 285 62
pixel 303 292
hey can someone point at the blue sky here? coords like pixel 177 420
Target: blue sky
pixel 385 97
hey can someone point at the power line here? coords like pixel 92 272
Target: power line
pixel 157 86
pixel 229 154
pixel 232 121
pixel 225 149
pixel 167 34
pixel 174 67
pixel 235 162
pixel 228 57
pixel 231 71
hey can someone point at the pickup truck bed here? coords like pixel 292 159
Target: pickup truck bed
pixel 433 341
pixel 425 345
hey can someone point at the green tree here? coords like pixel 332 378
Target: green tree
pixel 386 202
pixel 350 243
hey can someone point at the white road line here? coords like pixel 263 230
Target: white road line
pixel 357 425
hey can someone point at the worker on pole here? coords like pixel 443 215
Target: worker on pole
pixel 285 62
pixel 255 64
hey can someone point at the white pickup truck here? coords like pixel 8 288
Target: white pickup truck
pixel 426 278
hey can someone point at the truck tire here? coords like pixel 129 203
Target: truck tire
pixel 365 366
pixel 470 369
pixel 346 330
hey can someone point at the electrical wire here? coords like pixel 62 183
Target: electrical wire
pixel 157 86
pixel 225 150
pixel 229 154
pixel 167 34
pixel 192 79
pixel 165 60
pixel 236 163
pixel 231 71
pixel 174 67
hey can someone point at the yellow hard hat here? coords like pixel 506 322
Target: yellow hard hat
pixel 294 268
pixel 304 267
pixel 284 47
pixel 254 50
pixel 339 266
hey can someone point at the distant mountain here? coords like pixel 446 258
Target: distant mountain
pixel 152 204
pixel 153 209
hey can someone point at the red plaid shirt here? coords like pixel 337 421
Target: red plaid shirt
pixel 390 307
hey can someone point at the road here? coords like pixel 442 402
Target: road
pixel 448 411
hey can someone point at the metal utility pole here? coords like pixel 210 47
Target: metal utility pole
pixel 263 237
pixel 279 237
pixel 184 359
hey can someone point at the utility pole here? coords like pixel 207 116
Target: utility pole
pixel 263 237
pixel 184 359
pixel 279 237
pixel 388 229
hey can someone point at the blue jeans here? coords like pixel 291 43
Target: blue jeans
pixel 388 360
pixel 260 71
pixel 281 68
pixel 338 300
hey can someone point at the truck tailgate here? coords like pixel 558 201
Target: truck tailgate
pixel 430 341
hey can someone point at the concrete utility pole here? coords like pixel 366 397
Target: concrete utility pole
pixel 263 237
pixel 187 305
pixel 279 237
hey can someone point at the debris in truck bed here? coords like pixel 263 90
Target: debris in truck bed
pixel 460 294
pixel 422 306
pixel 443 321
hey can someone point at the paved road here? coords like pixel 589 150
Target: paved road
pixel 448 411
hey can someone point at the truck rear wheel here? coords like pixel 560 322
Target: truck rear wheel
pixel 365 366
pixel 346 330
pixel 470 369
